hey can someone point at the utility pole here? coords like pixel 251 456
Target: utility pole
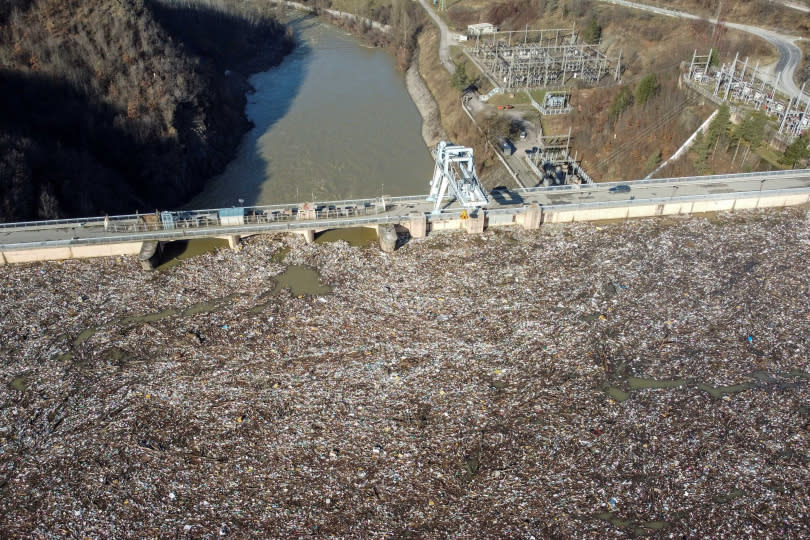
pixel 618 66
pixel 731 77
pixel 717 22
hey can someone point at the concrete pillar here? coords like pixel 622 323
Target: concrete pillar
pixel 532 217
pixel 475 225
pixel 150 254
pixel 418 226
pixel 388 237
pixel 233 241
pixel 3 258
pixel 308 234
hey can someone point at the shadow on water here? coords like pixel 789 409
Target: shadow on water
pixel 71 153
pixel 233 39
pixel 355 236
pixel 326 120
pixel 269 99
pixel 290 77
pixel 175 252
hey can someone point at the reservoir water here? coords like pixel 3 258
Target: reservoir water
pixel 333 121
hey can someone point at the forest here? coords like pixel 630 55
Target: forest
pixel 114 106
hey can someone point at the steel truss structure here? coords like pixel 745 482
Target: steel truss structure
pixel 740 84
pixel 542 58
pixel 455 170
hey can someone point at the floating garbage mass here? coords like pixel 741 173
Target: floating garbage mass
pixel 639 378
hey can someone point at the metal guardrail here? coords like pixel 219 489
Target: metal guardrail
pixel 179 234
pixel 320 208
pixel 369 203
pixel 685 179
pixel 566 207
pixel 327 214
pixel 229 230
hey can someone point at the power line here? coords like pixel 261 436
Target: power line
pixel 627 146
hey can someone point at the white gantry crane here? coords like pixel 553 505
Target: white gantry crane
pixel 455 170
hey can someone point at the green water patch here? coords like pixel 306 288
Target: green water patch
pixel 472 465
pixel 797 373
pixel 728 497
pixel 355 236
pixel 258 308
pixel 175 252
pixel 116 356
pixel 20 383
pixel 151 317
pixel 215 304
pixel 208 306
pixel 279 256
pixel 616 393
pixel 638 383
pixel 640 528
pixel 718 392
pixel 301 281
pixel 761 379
pixel 84 335
pixel 611 518
pixel 65 357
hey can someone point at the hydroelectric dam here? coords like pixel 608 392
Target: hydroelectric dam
pixel 456 202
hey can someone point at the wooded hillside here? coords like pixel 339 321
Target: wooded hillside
pixel 118 105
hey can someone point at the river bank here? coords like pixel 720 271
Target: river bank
pixel 432 130
pixel 558 382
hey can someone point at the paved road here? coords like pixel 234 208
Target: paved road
pixel 399 208
pixel 801 7
pixel 444 40
pixel 790 54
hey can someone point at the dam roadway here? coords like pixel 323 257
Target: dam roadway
pixel 530 207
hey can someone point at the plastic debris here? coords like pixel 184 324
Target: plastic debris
pixel 459 386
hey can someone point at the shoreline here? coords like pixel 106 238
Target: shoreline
pixel 432 130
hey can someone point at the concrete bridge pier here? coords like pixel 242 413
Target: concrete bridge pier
pixel 533 217
pixel 418 226
pixel 475 224
pixel 388 237
pixel 308 234
pixel 234 240
pixel 150 254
